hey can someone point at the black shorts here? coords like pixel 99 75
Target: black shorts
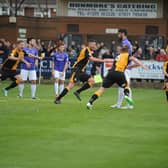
pixel 6 73
pixel 80 76
pixel 114 77
pixel 166 79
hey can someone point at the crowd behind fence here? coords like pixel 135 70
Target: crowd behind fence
pixel 145 52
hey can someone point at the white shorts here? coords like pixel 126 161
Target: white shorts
pixel 127 73
pixel 59 75
pixel 28 74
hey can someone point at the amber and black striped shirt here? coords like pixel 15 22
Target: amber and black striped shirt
pixel 13 64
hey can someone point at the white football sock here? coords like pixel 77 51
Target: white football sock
pixel 120 96
pixel 61 88
pixel 130 93
pixel 56 88
pixel 33 90
pixel 21 88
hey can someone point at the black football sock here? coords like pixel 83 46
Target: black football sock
pixel 12 85
pixel 63 93
pixel 2 78
pixel 93 98
pixel 126 92
pixel 167 95
pixel 84 87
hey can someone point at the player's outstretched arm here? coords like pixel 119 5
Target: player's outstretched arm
pixel 133 66
pixel 100 60
pixel 138 62
pixel 35 57
pixel 91 58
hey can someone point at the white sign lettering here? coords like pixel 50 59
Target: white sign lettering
pixel 155 71
pixel 112 9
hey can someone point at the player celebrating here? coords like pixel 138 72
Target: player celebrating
pixel 31 56
pixel 59 66
pixel 165 71
pixel 116 75
pixel 78 72
pixel 9 68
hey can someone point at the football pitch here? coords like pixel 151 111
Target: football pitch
pixel 40 134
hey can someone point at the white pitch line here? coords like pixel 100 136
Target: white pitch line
pixel 2 101
pixel 25 99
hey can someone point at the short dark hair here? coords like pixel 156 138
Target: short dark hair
pixel 29 39
pixel 19 41
pixel 60 43
pixel 123 31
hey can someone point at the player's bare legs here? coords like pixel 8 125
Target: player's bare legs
pixel 64 92
pixel 17 80
pixel 86 86
pixel 95 96
pixel 101 90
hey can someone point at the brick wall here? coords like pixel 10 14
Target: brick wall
pixel 49 28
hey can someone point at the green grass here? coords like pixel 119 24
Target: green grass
pixel 40 134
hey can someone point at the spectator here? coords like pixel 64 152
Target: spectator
pixel 43 49
pixel 136 46
pixel 38 45
pixel 5 47
pixel 102 48
pixel 2 51
pixel 52 47
pixel 107 54
pixel 151 55
pixel 138 53
pixel 162 56
pixel 78 49
pixel 72 55
pixel 113 48
pixel 146 50
pixel 167 46
pixel 156 51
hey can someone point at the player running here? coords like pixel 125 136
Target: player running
pixel 122 35
pixel 165 71
pixel 78 72
pixel 9 67
pixel 29 72
pixel 116 75
pixel 59 66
